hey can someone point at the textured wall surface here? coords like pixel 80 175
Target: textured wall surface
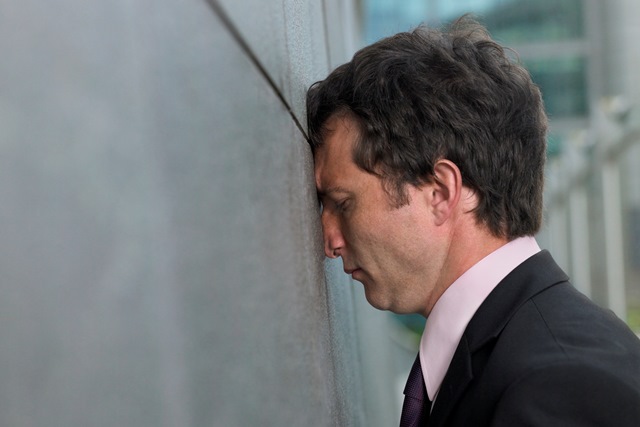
pixel 160 247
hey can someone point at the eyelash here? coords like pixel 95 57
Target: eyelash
pixel 341 206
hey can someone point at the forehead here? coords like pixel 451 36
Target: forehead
pixel 333 159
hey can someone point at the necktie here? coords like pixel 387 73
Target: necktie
pixel 416 407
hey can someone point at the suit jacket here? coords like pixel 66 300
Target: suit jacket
pixel 539 353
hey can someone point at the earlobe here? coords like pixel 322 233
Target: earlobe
pixel 447 188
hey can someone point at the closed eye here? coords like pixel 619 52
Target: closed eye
pixel 336 199
pixel 342 205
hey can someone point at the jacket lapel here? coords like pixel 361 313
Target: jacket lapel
pixel 455 382
pixel 528 279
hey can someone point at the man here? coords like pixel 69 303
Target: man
pixel 429 153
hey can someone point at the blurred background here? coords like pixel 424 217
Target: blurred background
pixel 161 252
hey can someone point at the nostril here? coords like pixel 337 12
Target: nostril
pixel 330 250
pixel 327 250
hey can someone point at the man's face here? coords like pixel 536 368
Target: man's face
pixel 397 253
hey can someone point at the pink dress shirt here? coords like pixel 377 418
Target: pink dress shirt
pixel 457 305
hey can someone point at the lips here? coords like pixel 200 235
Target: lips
pixel 351 270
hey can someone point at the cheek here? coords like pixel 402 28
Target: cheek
pixel 366 232
pixel 346 227
pixel 356 230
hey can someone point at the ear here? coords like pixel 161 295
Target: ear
pixel 446 190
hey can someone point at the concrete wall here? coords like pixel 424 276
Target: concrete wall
pixel 160 246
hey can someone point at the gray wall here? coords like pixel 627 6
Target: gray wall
pixel 160 246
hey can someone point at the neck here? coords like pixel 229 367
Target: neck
pixel 468 245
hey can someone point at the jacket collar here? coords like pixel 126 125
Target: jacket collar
pixel 528 279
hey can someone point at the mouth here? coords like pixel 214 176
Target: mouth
pixel 350 271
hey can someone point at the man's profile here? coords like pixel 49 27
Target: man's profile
pixel 429 150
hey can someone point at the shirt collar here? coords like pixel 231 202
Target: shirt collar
pixel 457 305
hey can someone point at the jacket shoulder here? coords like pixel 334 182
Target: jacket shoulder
pixel 568 394
pixel 560 325
pixel 559 345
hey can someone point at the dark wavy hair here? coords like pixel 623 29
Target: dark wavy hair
pixel 455 94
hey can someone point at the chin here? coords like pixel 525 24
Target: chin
pixel 377 303
pixel 388 305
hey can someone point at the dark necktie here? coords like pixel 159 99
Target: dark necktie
pixel 416 407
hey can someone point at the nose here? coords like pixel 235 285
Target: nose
pixel 333 238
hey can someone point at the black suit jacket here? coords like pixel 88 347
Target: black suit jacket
pixel 539 353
